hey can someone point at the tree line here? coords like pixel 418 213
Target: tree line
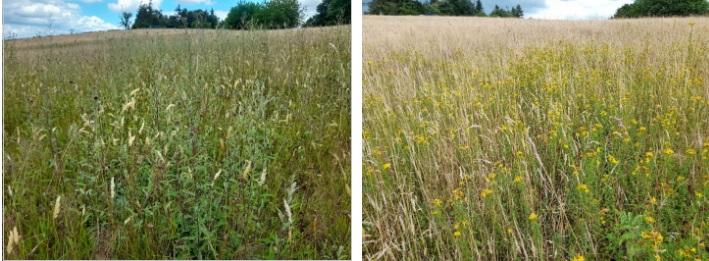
pixel 440 7
pixel 271 14
pixel 647 8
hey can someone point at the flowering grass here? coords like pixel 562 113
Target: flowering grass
pixel 492 139
pixel 186 144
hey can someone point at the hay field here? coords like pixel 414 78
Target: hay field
pixel 490 139
pixel 178 144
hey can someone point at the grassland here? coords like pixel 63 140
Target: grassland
pixel 178 144
pixel 492 139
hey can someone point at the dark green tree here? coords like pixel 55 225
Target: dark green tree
pixel 499 12
pixel 643 8
pixel 147 17
pixel 457 7
pixel 396 7
pixel 243 15
pixel 280 14
pixel 125 19
pixel 331 12
pixel 517 11
pixel 479 11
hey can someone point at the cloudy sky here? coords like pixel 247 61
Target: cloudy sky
pixel 558 9
pixel 26 18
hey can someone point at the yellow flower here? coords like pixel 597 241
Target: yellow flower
pixel 386 166
pixel 533 217
pixel 653 200
pixel 613 160
pixel 437 202
pixel 649 220
pixel 691 151
pixel 485 193
pixel 649 154
pixel 420 139
pixel 518 179
pixel 578 258
pixel 456 233
pixel 668 151
pixel 582 187
pixel 458 194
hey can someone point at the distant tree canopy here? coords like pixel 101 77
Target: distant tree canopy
pixel 271 15
pixel 644 8
pixel 148 17
pixel 439 7
pixel 331 12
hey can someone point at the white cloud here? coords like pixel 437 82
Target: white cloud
pixel 206 2
pixel 131 5
pixel 25 18
pixel 309 7
pixel 90 1
pixel 221 14
pixel 578 9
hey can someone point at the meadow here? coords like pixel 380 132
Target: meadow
pixel 512 139
pixel 178 144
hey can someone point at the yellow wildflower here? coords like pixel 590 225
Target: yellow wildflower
pixel 518 179
pixel 613 160
pixel 458 194
pixel 533 217
pixel 649 220
pixel 485 193
pixel 668 151
pixel 437 202
pixel 420 139
pixel 583 188
pixel 578 258
pixel 386 166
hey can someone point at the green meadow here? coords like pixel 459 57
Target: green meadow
pixel 178 144
pixel 510 139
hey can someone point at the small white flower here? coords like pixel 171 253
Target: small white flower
pixel 113 188
pixel 57 207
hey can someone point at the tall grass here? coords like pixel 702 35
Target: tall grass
pixel 491 139
pixel 183 144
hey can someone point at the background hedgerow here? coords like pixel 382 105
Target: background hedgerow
pixel 515 139
pixel 178 144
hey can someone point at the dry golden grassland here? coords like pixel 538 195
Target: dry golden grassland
pixel 178 144
pixel 489 139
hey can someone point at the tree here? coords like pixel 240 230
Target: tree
pixel 331 12
pixel 147 17
pixel 280 14
pixel 397 7
pixel 457 7
pixel 517 11
pixel 499 12
pixel 642 8
pixel 272 15
pixel 125 20
pixel 242 15
pixel 479 11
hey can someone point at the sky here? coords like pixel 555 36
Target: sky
pixel 559 9
pixel 27 18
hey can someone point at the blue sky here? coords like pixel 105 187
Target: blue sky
pixel 559 9
pixel 26 18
